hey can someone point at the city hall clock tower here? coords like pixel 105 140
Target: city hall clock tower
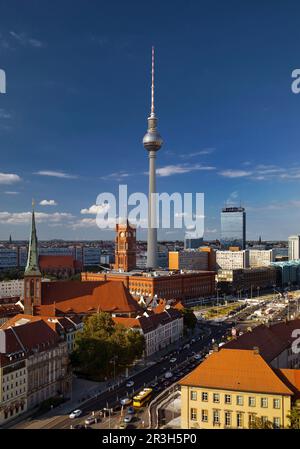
pixel 125 247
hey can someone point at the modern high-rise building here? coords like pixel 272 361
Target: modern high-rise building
pixel 294 247
pixel 152 142
pixel 233 227
pixel 192 242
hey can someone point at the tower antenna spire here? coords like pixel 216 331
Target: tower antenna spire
pixel 152 85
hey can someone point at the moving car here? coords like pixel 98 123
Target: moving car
pixel 130 410
pixel 123 425
pixel 125 401
pixel 75 414
pixel 129 384
pixel 128 419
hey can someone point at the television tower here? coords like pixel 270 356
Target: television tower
pixel 152 143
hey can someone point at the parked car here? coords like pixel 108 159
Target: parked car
pixel 128 419
pixel 197 357
pixel 173 360
pixel 153 384
pixel 75 414
pixel 130 410
pixel 125 401
pixel 129 384
pixel 123 425
pixel 168 375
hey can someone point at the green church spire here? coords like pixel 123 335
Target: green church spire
pixel 32 267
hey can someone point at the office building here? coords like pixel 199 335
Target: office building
pixel 233 227
pixel 232 260
pixel 261 258
pixel 294 247
pixel 188 260
pixel 192 242
pixel 247 279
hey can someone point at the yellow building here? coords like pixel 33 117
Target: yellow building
pixel 232 388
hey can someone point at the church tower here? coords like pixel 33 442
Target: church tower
pixel 125 249
pixel 32 275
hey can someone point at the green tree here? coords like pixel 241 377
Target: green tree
pixel 294 417
pixel 189 318
pixel 104 348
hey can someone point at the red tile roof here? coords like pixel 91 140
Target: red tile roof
pixel 271 340
pixel 236 370
pixel 86 297
pixel 27 337
pixel 130 323
pixel 291 377
pixel 9 310
pixel 58 324
pixel 150 322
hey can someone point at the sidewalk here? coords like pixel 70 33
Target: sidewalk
pixel 83 390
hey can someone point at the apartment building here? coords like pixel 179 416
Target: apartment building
pixel 275 343
pixel 34 366
pixel 12 289
pixel 159 329
pixel 232 388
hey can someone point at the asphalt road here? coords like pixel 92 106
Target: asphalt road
pixel 110 399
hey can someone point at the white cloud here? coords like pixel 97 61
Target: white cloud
pixel 85 223
pixel 95 209
pixel 10 192
pixel 55 174
pixel 197 153
pixel 9 178
pixel 210 231
pixel 41 217
pixel 116 176
pixel 235 173
pixel 170 170
pixel 48 203
pixel 4 114
pixel 26 41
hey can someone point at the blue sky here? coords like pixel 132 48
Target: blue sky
pixel 78 96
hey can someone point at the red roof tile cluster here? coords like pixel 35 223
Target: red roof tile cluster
pixel 27 338
pixel 58 324
pixel 271 340
pixel 149 321
pixel 237 370
pixel 76 297
pixel 8 310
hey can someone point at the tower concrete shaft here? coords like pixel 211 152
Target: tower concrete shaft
pixel 152 229
pixel 152 142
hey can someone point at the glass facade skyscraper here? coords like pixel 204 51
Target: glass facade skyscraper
pixel 233 227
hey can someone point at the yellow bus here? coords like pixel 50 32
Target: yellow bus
pixel 142 397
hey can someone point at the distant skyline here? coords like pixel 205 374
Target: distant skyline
pixel 78 97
